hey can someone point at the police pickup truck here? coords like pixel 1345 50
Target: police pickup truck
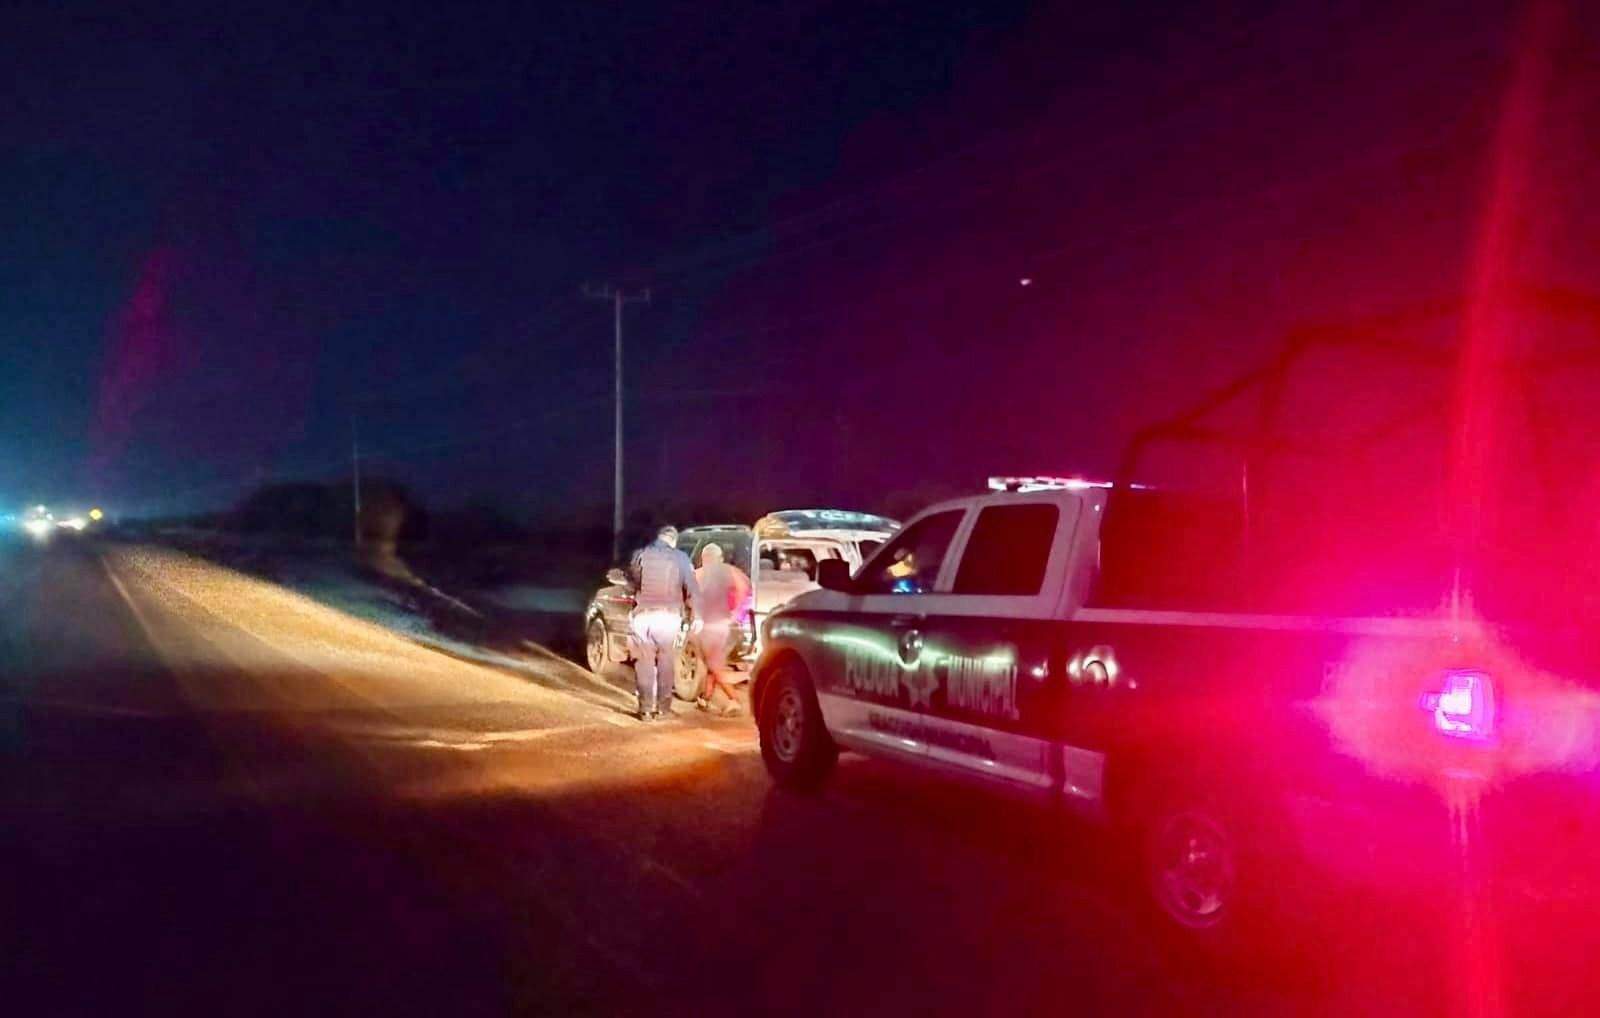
pixel 1100 646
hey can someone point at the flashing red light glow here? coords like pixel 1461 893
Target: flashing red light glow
pixel 1501 719
pixel 1465 707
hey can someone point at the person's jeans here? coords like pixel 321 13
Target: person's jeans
pixel 653 643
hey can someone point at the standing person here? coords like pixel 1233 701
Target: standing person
pixel 664 589
pixel 724 601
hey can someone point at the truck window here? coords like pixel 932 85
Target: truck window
pixel 1008 550
pixel 1165 551
pixel 910 563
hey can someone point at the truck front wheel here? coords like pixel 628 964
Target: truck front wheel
pixel 794 742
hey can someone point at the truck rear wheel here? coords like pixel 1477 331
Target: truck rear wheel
pixel 794 742
pixel 1202 875
pixel 1192 867
pixel 1223 888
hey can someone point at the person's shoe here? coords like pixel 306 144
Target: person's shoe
pixel 732 710
pixel 664 713
pixel 701 703
pixel 645 715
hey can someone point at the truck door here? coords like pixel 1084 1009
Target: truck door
pixel 872 684
pixel 992 642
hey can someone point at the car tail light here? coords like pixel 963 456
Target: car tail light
pixel 1465 707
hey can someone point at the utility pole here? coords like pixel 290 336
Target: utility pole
pixel 617 298
pixel 355 477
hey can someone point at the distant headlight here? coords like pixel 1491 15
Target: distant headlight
pixel 74 523
pixel 38 528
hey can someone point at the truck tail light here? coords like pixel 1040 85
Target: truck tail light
pixel 1465 707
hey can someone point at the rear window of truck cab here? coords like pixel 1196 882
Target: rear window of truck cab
pixel 1184 551
pixel 1378 552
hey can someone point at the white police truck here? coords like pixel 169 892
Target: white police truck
pixel 1209 684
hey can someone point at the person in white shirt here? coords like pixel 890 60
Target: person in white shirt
pixel 664 590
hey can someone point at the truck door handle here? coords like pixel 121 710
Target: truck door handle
pixel 904 621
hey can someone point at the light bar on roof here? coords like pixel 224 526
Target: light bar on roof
pixel 1023 484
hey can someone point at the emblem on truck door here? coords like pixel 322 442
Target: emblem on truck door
pixel 910 647
pixel 918 680
pixel 883 669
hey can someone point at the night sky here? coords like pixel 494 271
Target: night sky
pixel 229 233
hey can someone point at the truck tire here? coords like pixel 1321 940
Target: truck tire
pixel 1219 883
pixel 1202 876
pixel 794 742
pixel 1191 865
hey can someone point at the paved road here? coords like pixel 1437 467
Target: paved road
pixel 219 795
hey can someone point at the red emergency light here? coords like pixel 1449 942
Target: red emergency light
pixel 1465 708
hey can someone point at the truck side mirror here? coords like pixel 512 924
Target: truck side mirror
pixel 617 577
pixel 834 574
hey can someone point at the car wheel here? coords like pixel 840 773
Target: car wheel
pixel 794 742
pixel 595 646
pixel 689 677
